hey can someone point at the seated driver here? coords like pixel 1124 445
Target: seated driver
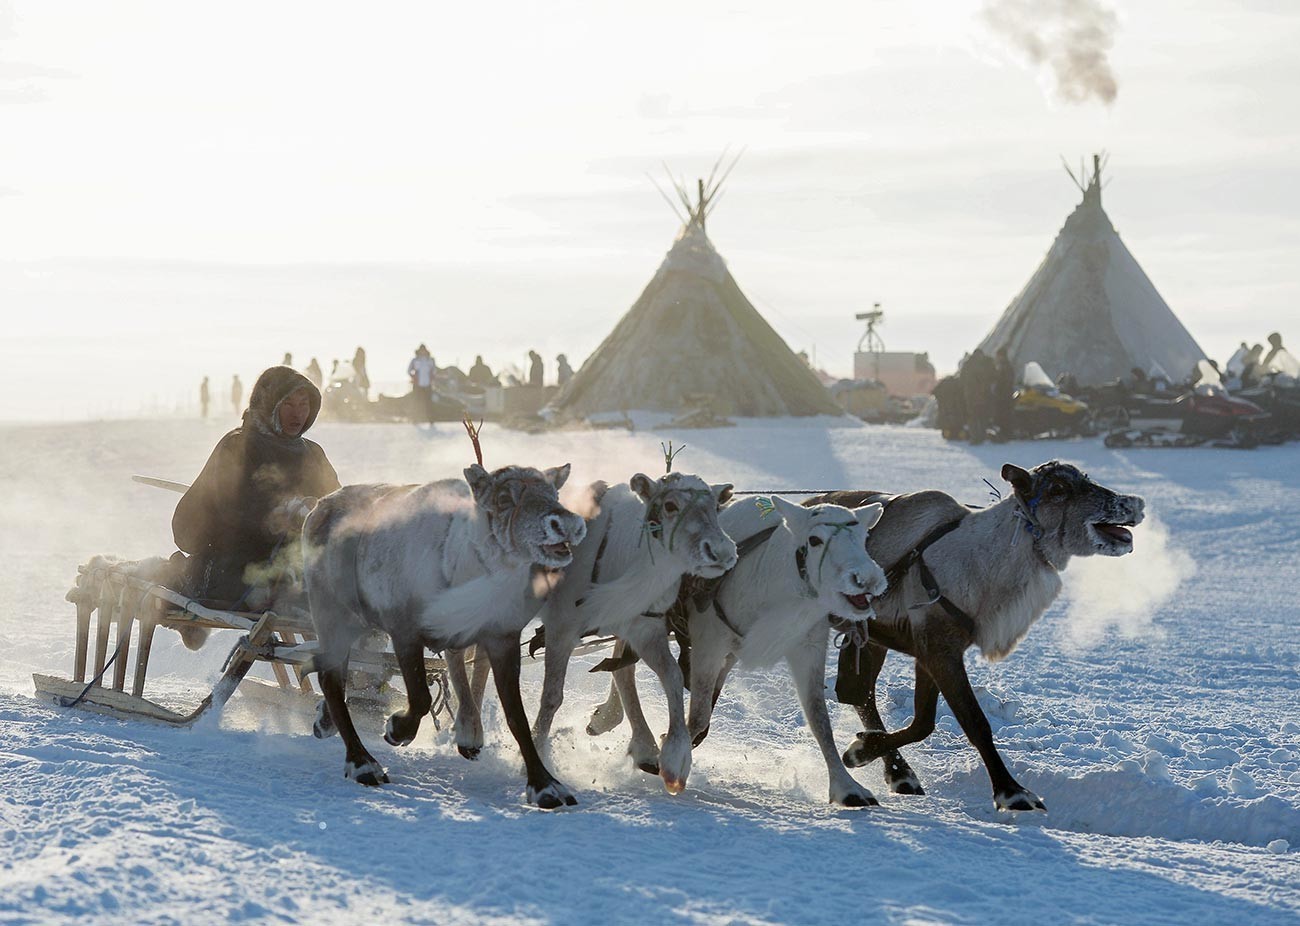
pixel 240 520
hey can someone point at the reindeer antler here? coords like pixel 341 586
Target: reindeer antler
pixel 670 454
pixel 472 430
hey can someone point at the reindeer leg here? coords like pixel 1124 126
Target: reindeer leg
pixel 643 749
pixel 543 788
pixel 944 663
pixel 359 764
pixel 871 742
pixel 808 667
pixel 609 714
pixel 560 642
pixel 650 639
pixel 469 722
pixel 711 660
pixel 479 676
pixel 403 725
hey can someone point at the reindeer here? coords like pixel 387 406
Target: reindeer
pixel 625 575
pixel 794 575
pixel 443 565
pixel 960 578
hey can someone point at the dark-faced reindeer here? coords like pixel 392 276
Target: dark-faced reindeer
pixel 801 569
pixel 624 577
pixel 443 565
pixel 959 578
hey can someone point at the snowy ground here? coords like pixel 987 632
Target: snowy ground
pixel 1156 709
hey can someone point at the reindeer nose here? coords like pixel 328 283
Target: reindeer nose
pixel 858 581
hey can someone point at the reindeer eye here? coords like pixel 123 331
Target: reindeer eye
pixel 670 507
pixel 814 541
pixel 504 497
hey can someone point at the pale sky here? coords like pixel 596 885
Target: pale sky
pixel 191 191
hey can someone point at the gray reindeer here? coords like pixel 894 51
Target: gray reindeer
pixel 444 565
pixel 802 568
pixel 961 578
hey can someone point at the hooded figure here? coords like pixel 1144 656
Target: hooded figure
pixel 240 518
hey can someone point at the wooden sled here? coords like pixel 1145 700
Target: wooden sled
pixel 119 601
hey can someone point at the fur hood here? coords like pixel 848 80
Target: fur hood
pixel 273 387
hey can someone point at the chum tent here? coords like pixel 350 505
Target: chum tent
pixel 693 333
pixel 1090 310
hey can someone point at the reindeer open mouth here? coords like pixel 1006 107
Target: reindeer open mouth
pixel 1113 534
pixel 558 551
pixel 860 602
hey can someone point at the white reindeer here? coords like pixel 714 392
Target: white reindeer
pixel 803 569
pixel 624 577
pixel 439 566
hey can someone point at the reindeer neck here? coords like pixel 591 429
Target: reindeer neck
pixel 1009 540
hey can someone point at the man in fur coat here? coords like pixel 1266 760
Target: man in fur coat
pixel 239 521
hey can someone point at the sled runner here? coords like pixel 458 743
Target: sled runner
pixel 120 605
pixel 117 602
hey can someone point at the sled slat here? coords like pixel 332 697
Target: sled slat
pixel 147 627
pixel 84 609
pixel 105 701
pixel 125 620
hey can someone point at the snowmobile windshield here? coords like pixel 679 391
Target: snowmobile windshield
pixel 1035 378
pixel 1209 382
pixel 1284 362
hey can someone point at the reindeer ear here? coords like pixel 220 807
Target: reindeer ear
pixel 869 515
pixel 558 475
pixel 479 481
pixel 642 485
pixel 721 493
pixel 796 517
pixel 1020 479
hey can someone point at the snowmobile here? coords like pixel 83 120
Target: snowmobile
pixel 1207 414
pixel 1043 410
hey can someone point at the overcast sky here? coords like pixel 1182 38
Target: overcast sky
pixel 189 192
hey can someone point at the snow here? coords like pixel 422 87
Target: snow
pixel 1156 710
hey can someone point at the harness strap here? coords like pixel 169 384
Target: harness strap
pixel 916 557
pixel 743 549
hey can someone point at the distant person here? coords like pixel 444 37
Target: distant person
pixel 237 394
pixel 288 359
pixel 1004 390
pixel 362 378
pixel 421 370
pixel 1068 383
pixel 204 397
pixel 564 372
pixel 240 519
pixel 951 399
pixel 1253 366
pixel 535 371
pixel 1275 347
pixel 977 375
pixel 314 373
pixel 480 374
pixel 1138 382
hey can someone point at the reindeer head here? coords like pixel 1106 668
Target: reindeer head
pixel 831 555
pixel 1070 515
pixel 682 517
pixel 524 513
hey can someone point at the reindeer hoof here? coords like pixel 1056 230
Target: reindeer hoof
pixel 862 750
pixel 650 768
pixel 858 800
pixel 395 737
pixel 907 785
pixel 551 797
pixel 699 737
pixel 371 774
pixel 1019 800
pixel 323 727
pixel 469 752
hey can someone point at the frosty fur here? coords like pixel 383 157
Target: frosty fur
pixel 441 565
pixel 640 572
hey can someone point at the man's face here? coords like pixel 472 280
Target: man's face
pixel 294 412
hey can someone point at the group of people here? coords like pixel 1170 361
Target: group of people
pixel 979 399
pixel 423 370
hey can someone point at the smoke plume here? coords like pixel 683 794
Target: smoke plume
pixel 1067 40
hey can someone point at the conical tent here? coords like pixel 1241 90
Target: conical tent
pixel 694 333
pixel 1089 309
